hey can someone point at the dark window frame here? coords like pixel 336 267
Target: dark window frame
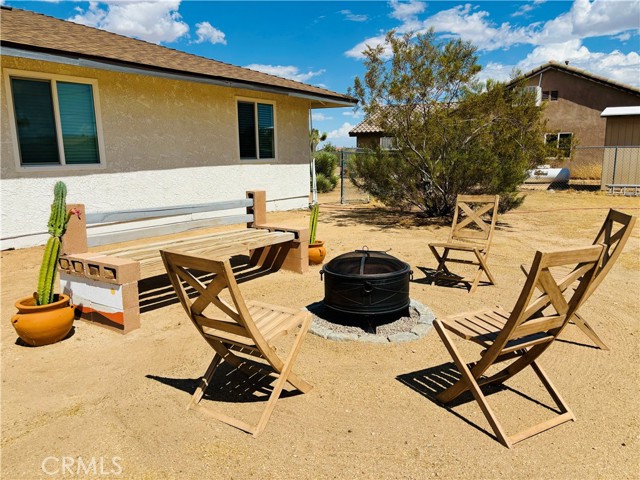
pixel 256 140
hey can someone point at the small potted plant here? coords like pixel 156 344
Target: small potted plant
pixel 46 317
pixel 317 252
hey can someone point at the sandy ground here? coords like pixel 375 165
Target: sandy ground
pixel 99 395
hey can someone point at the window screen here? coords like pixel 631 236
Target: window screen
pixel 78 121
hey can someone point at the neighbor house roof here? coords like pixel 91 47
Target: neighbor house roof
pixel 33 35
pixel 552 65
pixel 620 111
pixel 368 125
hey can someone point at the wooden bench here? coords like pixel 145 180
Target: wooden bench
pixel 104 284
pixel 632 190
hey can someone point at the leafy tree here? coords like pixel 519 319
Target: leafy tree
pixel 329 147
pixel 452 134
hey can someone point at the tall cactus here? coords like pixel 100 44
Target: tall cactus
pixel 58 221
pixel 313 222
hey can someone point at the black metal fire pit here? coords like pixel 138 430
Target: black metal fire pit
pixel 366 282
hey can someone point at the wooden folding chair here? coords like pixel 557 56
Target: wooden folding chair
pixel 521 336
pixel 236 331
pixel 474 220
pixel 613 234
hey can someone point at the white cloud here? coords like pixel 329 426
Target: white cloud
pixel 208 33
pixel 405 11
pixel 527 7
pixel 356 115
pixel 560 38
pixel 475 26
pixel 623 37
pixel 604 17
pixel 320 117
pixel 340 136
pixel 354 17
pixel 148 20
pixel 496 71
pixel 357 51
pixel 614 65
pixel 286 71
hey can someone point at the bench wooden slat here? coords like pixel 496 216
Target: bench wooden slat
pixel 154 266
pixel 149 213
pixel 96 240
pixel 212 240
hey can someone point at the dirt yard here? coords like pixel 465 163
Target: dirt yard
pixel 120 401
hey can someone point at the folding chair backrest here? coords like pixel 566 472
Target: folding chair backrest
pixel 199 284
pixel 528 325
pixel 474 219
pixel 614 233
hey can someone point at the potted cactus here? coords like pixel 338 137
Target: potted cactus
pixel 47 317
pixel 317 251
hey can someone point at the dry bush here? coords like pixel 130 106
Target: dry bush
pixel 586 171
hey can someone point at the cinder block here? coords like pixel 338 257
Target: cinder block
pixel 76 263
pixel 111 305
pixel 101 267
pixel 119 270
pixel 259 209
pixel 74 239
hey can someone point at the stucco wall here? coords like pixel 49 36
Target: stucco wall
pixel 166 142
pixel 579 105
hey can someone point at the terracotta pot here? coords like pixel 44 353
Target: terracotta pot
pixel 43 324
pixel 317 252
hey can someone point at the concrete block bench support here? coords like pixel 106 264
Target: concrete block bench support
pixel 104 285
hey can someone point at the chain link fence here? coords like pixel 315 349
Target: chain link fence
pixel 615 170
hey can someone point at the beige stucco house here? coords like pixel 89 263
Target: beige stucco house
pixel 130 124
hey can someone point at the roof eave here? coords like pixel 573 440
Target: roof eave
pixel 71 58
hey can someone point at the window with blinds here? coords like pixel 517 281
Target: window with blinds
pixel 256 130
pixel 66 135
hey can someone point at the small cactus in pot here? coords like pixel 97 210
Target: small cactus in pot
pixel 317 250
pixel 44 317
pixel 58 221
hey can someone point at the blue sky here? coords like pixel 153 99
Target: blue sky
pixel 320 43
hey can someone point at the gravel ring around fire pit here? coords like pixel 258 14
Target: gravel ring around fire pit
pixel 404 329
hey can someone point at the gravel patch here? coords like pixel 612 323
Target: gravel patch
pixel 406 326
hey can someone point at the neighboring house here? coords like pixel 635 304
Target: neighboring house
pixel 369 135
pixel 621 164
pixel 574 100
pixel 126 123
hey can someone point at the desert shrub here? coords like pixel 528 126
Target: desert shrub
pixel 323 183
pixel 452 134
pixel 326 163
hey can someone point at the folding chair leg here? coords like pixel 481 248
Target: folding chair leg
pixel 205 382
pixel 283 377
pixel 483 268
pixel 588 331
pixel 471 385
pixel 566 415
pixel 441 259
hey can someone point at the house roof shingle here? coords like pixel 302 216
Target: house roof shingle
pixel 28 30
pixel 368 125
